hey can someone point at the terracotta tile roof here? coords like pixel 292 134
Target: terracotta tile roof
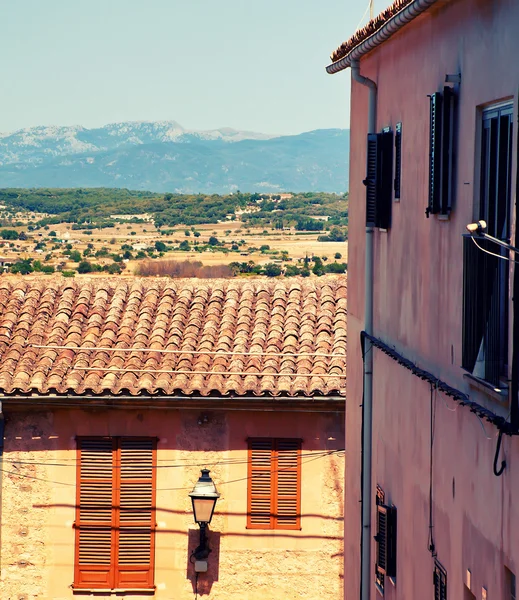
pixel 198 318
pixel 372 27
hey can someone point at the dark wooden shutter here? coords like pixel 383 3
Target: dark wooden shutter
pixel 115 514
pixel 385 179
pixel 398 159
pixel 440 582
pixel 274 486
pixel 371 179
pixel 378 181
pixel 260 510
pixel 95 527
pixel 136 515
pixel 447 151
pixel 287 472
pixel 386 540
pixel 435 158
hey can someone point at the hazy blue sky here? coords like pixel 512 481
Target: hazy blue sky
pixel 256 65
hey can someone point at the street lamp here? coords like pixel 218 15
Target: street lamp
pixel 477 230
pixel 203 497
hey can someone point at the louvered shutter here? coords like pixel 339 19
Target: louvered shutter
pixel 274 484
pixel 381 539
pixel 115 514
pixel 385 179
pixel 287 511
pixel 260 509
pixel 435 154
pixel 371 180
pixel 398 159
pixel 447 158
pixel 95 526
pixel 136 515
pixel 386 540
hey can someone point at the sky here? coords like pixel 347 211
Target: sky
pixel 257 66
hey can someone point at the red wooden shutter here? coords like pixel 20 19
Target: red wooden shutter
pixel 260 509
pixel 94 514
pixel 136 514
pixel 287 465
pixel 115 514
pixel 274 485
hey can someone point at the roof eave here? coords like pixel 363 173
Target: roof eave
pixel 397 22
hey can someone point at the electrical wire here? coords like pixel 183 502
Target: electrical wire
pixel 430 542
pixel 363 16
pixel 230 373
pixel 221 483
pixel 225 462
pixel 191 352
pixel 493 253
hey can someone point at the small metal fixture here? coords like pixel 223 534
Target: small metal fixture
pixel 478 230
pixel 203 497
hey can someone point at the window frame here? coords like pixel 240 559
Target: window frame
pixel 118 575
pixel 490 361
pixel 274 523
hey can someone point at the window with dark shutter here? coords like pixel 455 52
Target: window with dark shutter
pixel 442 109
pixel 398 160
pixel 274 484
pixel 440 582
pixel 378 182
pixel 385 540
pixel 115 514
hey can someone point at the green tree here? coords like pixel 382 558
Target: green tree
pixel 160 247
pixel 84 267
pixel 23 267
pixel 75 256
pixel 213 241
pixel 8 234
pixel 272 270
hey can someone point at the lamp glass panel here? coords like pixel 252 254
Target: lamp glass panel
pixel 203 509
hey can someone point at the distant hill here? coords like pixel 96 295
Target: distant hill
pixel 165 157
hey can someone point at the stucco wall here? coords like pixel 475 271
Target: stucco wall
pixel 418 308
pixel 38 484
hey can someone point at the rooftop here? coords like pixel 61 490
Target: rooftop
pixel 376 24
pixel 172 337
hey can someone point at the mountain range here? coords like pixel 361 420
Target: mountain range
pixel 162 156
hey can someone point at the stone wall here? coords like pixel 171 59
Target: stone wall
pixel 38 504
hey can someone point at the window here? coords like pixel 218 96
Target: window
pixel 378 180
pixel 115 513
pixel 510 593
pixel 274 484
pixel 440 582
pixel 385 564
pixel 441 152
pixel 485 278
pixel 398 160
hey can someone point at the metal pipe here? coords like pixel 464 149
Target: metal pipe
pixel 367 404
pixel 410 12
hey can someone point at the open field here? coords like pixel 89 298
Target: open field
pixel 63 246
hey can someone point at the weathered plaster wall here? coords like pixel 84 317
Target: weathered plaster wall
pixel 39 501
pixel 418 308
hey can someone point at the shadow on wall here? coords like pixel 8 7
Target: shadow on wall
pixel 202 585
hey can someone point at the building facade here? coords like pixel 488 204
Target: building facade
pixel 433 148
pixel 115 394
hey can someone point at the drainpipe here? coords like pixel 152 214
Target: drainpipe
pixel 367 420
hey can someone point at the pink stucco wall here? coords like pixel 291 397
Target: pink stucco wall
pixel 417 310
pixel 38 504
